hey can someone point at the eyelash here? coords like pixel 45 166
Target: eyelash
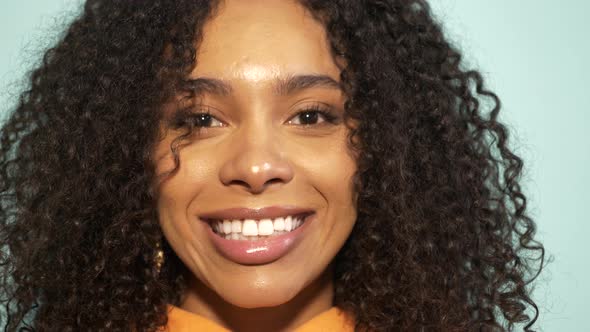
pixel 186 118
pixel 328 116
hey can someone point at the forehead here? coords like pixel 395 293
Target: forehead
pixel 256 39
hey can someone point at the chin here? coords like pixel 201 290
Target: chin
pixel 259 295
pixel 258 301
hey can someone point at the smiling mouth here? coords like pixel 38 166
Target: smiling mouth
pixel 252 229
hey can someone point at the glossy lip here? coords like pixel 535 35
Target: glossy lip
pixel 263 251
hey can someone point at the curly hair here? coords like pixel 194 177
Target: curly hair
pixel 442 240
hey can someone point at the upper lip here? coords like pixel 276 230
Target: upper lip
pixel 269 212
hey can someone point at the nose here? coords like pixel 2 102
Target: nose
pixel 256 163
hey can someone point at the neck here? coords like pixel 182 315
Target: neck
pixel 311 301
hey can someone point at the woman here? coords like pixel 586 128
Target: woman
pixel 261 166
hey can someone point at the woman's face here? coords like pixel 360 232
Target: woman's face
pixel 271 155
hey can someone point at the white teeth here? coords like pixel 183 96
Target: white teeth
pixel 265 227
pixel 236 226
pixel 250 228
pixel 227 226
pixel 279 225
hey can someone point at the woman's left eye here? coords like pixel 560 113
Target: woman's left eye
pixel 311 117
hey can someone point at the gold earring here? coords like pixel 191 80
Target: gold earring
pixel 159 257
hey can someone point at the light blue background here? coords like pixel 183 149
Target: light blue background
pixel 534 53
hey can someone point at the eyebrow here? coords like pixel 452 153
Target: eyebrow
pixel 281 87
pixel 297 83
pixel 211 85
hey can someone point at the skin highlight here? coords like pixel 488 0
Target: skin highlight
pixel 272 63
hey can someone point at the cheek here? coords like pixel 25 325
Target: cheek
pixel 177 199
pixel 330 168
pixel 179 178
pixel 178 190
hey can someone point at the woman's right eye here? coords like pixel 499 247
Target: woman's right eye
pixel 205 120
pixel 196 120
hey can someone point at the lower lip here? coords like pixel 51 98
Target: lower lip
pixel 261 251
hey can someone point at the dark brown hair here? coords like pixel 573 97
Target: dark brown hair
pixel 442 241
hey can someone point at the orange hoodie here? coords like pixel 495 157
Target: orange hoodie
pixel 332 320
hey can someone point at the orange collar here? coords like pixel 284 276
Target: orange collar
pixel 333 319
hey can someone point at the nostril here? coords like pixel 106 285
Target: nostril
pixel 273 181
pixel 239 183
pixel 255 186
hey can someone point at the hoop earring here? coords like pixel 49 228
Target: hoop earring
pixel 159 257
